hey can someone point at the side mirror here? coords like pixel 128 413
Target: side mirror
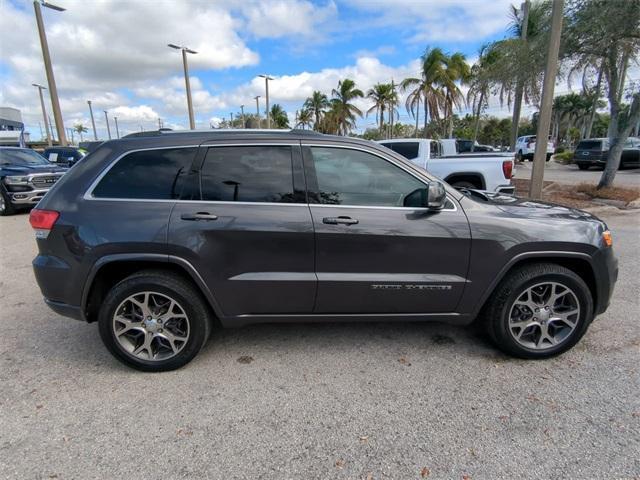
pixel 432 197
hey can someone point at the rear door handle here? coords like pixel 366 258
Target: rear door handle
pixel 339 220
pixel 206 216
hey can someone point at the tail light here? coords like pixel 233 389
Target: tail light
pixel 529 143
pixel 42 221
pixel 507 169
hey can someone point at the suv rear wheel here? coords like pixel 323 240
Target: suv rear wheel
pixel 154 321
pixel 539 311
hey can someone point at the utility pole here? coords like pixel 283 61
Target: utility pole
pixel 187 83
pixel 53 137
pixel 93 122
pixel 266 87
pixel 231 119
pixel 53 91
pixel 159 123
pixel 242 113
pixel 106 117
pixel 517 102
pixel 115 119
pixel 44 112
pixel 257 99
pixel 546 104
pixel 393 91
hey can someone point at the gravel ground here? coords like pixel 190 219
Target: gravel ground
pixel 350 401
pixel 556 172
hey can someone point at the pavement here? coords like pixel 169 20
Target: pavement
pixel 571 174
pixel 344 401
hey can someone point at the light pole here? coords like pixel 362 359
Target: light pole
pixel 185 50
pixel 44 112
pixel 53 91
pixel 115 119
pixel 242 116
pixel 93 122
pixel 266 87
pixel 53 137
pixel 106 117
pixel 257 99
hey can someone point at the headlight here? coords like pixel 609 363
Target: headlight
pixel 15 180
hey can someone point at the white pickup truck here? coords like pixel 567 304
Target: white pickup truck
pixel 490 171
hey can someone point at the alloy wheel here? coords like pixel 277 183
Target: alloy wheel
pixel 544 315
pixel 151 326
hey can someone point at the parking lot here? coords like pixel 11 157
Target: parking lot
pixel 570 174
pixel 323 401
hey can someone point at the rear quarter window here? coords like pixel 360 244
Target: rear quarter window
pixel 149 174
pixel 408 150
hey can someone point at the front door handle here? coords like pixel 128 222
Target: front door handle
pixel 339 220
pixel 206 216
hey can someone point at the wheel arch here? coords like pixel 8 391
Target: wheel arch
pixel 111 269
pixel 472 177
pixel 579 263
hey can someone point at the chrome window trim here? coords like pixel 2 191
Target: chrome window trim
pixel 89 192
pixel 394 162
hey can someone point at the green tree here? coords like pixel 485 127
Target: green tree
pixel 480 86
pixel 79 128
pixel 428 86
pixel 278 116
pixel 606 33
pixel 456 71
pixel 380 94
pixel 317 103
pixel 344 112
pixel 304 118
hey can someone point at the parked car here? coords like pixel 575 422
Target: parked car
pixel 469 146
pixel 526 147
pixel 155 237
pixel 64 156
pixel 595 151
pixel 482 171
pixel 25 176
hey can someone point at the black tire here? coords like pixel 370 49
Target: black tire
pixel 496 312
pixel 464 184
pixel 583 166
pixel 519 157
pixel 6 208
pixel 165 283
pixel 548 156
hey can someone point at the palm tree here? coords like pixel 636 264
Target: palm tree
pixel 480 86
pixel 279 116
pixel 304 118
pixel 427 87
pixel 456 71
pixel 342 106
pixel 78 127
pixel 316 104
pixel 381 94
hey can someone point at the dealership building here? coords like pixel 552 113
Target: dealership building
pixel 12 128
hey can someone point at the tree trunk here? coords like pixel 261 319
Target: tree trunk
pixel 381 120
pixel 596 96
pixel 616 142
pixel 417 115
pixel 477 126
pixel 426 114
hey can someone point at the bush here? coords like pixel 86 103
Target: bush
pixel 564 157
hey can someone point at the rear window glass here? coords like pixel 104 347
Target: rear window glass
pixel 589 145
pixel 249 174
pixel 408 150
pixel 149 174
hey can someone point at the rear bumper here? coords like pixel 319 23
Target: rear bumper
pixel 71 311
pixel 507 189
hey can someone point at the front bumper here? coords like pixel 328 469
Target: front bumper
pixel 27 198
pixel 605 266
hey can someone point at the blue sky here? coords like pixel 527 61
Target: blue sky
pixel 114 52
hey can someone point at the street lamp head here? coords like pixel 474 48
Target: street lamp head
pixel 188 50
pixel 266 77
pixel 39 86
pixel 173 45
pixel 52 6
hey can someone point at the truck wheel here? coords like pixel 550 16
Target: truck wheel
pixel 539 311
pixel 519 156
pixel 5 205
pixel 463 184
pixel 154 321
pixel 583 166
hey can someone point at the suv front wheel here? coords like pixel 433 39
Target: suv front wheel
pixel 539 311
pixel 154 321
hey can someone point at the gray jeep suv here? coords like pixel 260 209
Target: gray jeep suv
pixel 154 237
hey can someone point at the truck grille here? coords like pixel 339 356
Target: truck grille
pixel 44 181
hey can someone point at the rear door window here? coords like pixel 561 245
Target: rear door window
pixel 261 174
pixel 149 174
pixel 408 150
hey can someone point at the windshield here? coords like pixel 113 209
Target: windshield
pixel 21 157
